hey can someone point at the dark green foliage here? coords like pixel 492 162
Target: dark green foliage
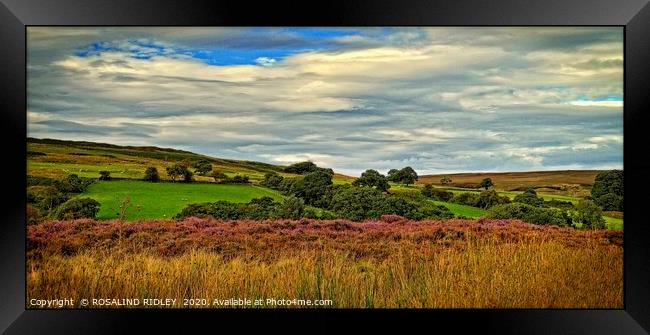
pixel 359 203
pixel 486 183
pixel 218 176
pixel 151 174
pixel 178 171
pixel 490 198
pixel 73 184
pixel 589 214
pixel 529 197
pixel 607 190
pixel 104 175
pixel 45 198
pixel 610 202
pixel 436 194
pixel 530 214
pixel 312 187
pixel 293 208
pixel 466 198
pixel 272 180
pixel 43 181
pixel 239 180
pixel 372 178
pixel 77 209
pixel 405 176
pixel 301 168
pixel 202 167
pixel 559 204
pixel 219 210
pixel 608 182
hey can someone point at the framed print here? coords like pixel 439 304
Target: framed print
pixel 175 164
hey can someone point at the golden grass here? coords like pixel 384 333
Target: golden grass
pixel 512 180
pixel 489 269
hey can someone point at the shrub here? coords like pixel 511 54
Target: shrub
pixel 239 180
pixel 436 194
pixel 217 175
pixel 610 202
pixel 151 174
pixel 589 214
pixel 529 197
pixel 45 197
pixel 530 214
pixel 490 198
pixel 77 209
pixel 272 180
pixel 466 198
pixel 292 208
pixel 73 184
pixel 203 167
pixel 104 175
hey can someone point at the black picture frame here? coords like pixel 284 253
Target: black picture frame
pixel 634 15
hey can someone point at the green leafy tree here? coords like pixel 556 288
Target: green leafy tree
pixel 203 167
pixel 529 197
pixel 589 214
pixel 372 178
pixel 272 180
pixel 607 190
pixel 445 180
pixel 404 176
pixel 178 171
pixel 486 183
pixel 217 175
pixel 490 198
pixel 151 174
pixel 312 187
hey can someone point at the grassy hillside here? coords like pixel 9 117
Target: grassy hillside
pixel 164 200
pixel 548 181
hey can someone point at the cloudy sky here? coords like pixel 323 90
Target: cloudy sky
pixel 440 100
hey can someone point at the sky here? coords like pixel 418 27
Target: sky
pixel 438 99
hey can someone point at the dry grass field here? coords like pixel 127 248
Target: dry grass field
pixel 391 262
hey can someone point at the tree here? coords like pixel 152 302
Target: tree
pixel 608 182
pixel 529 197
pixel 151 174
pixel 490 198
pixel 179 171
pixel 240 179
pixel 486 183
pixel 77 209
pixel 589 214
pixel 312 187
pixel 104 175
pixel 203 167
pixel 607 190
pixel 272 180
pixel 301 168
pixel 217 175
pixel 372 178
pixel 445 180
pixel 405 176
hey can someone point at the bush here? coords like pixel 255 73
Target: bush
pixel 466 198
pixel 178 171
pixel 490 198
pixel 292 208
pixel 530 214
pixel 104 175
pixel 77 209
pixel 45 197
pixel 202 167
pixel 529 197
pixel 73 184
pixel 272 180
pixel 589 214
pixel 240 180
pixel 436 194
pixel 610 202
pixel 218 175
pixel 151 174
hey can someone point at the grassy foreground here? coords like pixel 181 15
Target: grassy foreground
pixel 389 263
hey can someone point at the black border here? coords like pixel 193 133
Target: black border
pixel 15 15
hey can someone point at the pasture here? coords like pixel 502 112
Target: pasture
pixel 164 200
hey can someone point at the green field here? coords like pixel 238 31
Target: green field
pixel 164 200
pixel 613 223
pixel 462 210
